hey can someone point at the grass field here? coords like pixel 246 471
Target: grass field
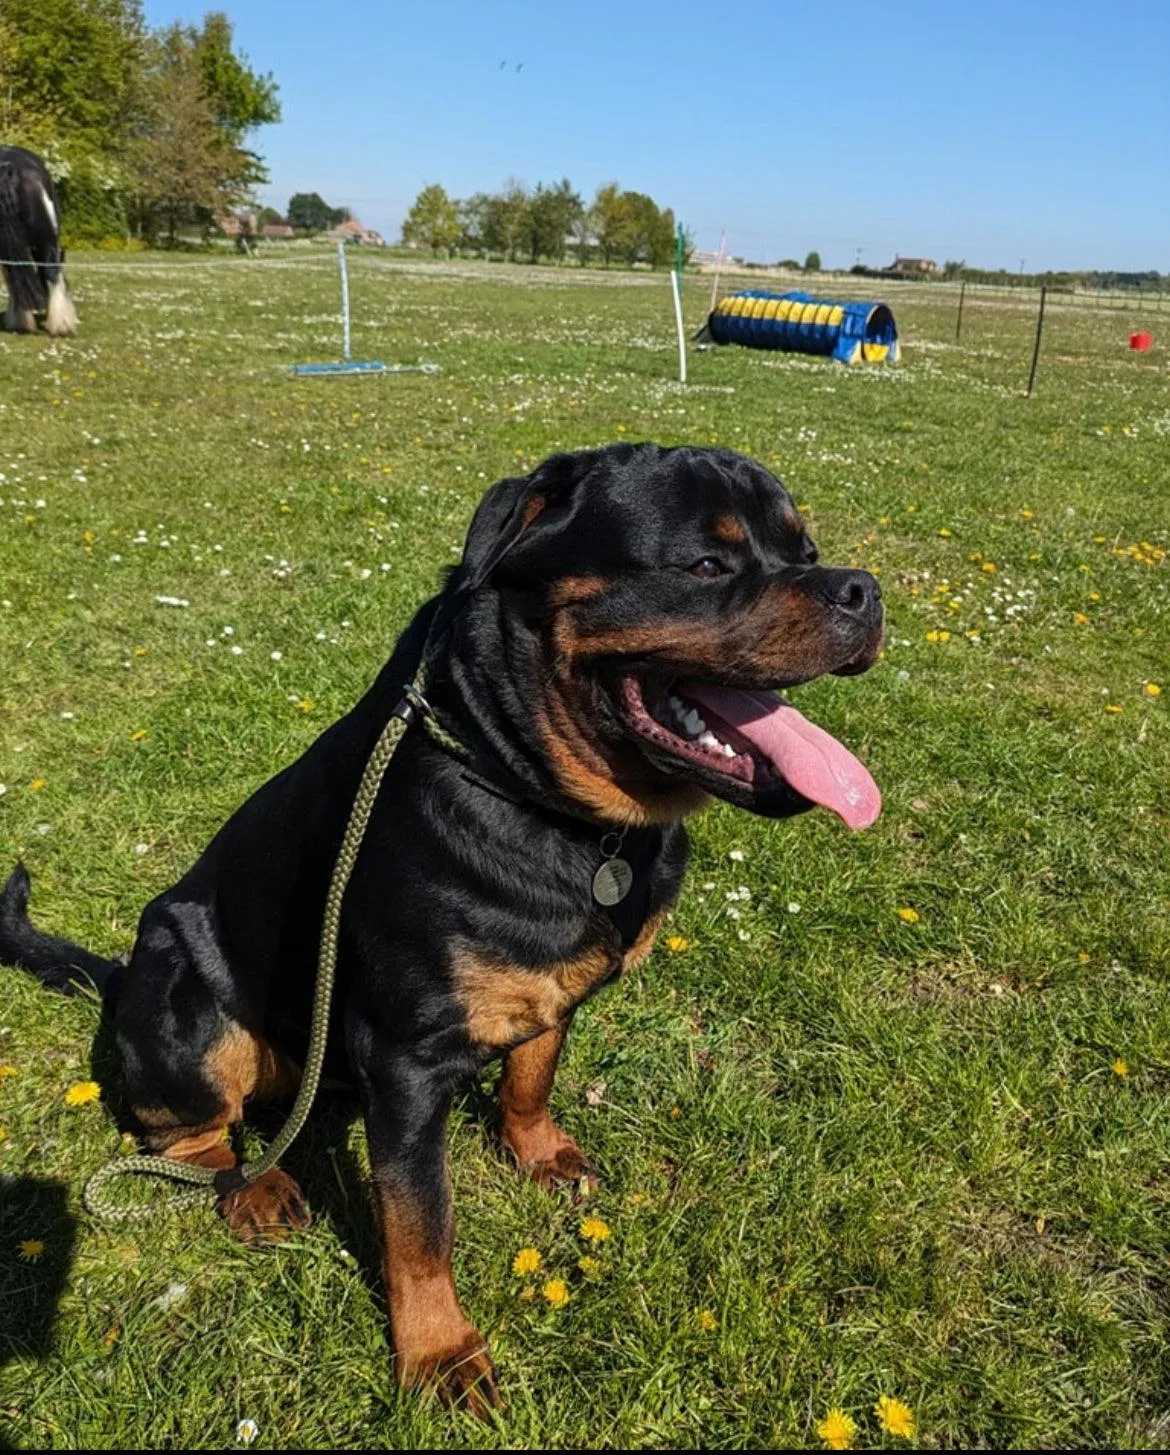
pixel 891 1118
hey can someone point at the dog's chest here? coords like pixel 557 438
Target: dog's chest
pixel 505 1004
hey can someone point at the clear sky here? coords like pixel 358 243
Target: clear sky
pixel 997 132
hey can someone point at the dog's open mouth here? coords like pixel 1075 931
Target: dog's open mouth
pixel 751 738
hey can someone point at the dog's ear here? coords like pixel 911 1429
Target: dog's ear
pixel 510 507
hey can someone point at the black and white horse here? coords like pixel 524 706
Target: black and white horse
pixel 30 246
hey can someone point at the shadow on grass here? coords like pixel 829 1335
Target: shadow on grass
pixel 32 1210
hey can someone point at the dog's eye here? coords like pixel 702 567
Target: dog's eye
pixel 708 568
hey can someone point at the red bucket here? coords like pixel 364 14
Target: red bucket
pixel 1141 341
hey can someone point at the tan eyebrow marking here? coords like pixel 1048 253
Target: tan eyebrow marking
pixel 728 528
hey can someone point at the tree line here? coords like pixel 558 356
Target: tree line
pixel 546 223
pixel 144 130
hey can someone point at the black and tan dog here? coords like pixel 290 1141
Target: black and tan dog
pixel 606 653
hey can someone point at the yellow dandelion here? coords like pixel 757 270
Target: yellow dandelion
pixel 1113 707
pixel 1028 514
pixel 138 734
pixel 909 916
pixel 593 1230
pixel 6 1071
pixel 1080 618
pixel 946 534
pixel 37 784
pixel 1083 957
pixel 556 1292
pixel 1151 689
pixel 140 651
pixel 677 943
pixel 82 1092
pixel 990 567
pixel 705 1321
pixel 528 1260
pixel 590 1267
pixel 837 1430
pixel 31 1250
pixel 306 704
pixel 1120 1067
pixel 895 1417
pixel 111 1336
pixel 3 1134
pixel 1094 596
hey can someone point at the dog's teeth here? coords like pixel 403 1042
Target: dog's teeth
pixel 710 742
pixel 727 750
pixel 694 724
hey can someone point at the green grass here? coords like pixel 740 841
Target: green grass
pixel 888 1157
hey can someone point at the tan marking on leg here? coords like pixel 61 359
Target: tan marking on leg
pixel 239 1065
pixel 435 1344
pixel 542 1151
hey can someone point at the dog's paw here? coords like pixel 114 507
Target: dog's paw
pixel 567 1164
pixel 547 1155
pixel 267 1210
pixel 464 1379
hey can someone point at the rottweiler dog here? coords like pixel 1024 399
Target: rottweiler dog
pixel 606 656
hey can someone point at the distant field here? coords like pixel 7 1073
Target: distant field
pixel 892 1120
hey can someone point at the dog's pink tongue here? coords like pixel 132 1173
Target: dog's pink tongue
pixel 811 760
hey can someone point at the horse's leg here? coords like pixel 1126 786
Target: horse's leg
pixel 16 320
pixel 60 314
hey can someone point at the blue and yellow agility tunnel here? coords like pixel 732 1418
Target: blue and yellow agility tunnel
pixel 799 323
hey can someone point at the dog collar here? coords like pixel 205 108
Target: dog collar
pixel 621 884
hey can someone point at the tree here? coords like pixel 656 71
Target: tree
pixel 504 218
pixel 812 264
pixel 433 220
pixel 184 165
pixel 240 99
pixel 474 222
pixel 611 222
pixel 953 268
pixel 311 213
pixel 552 212
pixel 70 74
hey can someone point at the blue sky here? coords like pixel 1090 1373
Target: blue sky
pixel 995 132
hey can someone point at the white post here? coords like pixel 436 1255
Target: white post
pixel 678 319
pixel 718 270
pixel 344 301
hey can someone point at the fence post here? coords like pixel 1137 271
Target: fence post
pixel 1039 332
pixel 959 319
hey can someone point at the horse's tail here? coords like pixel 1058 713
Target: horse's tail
pixel 26 292
pixel 56 963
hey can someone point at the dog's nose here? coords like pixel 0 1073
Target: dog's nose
pixel 856 593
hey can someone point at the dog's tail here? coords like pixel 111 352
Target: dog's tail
pixel 56 963
pixel 24 281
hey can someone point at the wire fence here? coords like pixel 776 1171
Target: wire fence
pixel 842 284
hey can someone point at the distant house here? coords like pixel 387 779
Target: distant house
pixel 278 229
pixel 352 231
pixel 237 224
pixel 914 268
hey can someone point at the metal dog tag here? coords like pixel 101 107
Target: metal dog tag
pixel 612 882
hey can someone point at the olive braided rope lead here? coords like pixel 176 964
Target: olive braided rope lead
pixel 203 1179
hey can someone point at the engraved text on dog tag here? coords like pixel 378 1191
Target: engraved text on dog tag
pixel 612 882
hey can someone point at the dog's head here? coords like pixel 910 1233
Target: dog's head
pixel 653 601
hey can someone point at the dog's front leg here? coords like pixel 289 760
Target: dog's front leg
pixel 435 1344
pixel 541 1149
